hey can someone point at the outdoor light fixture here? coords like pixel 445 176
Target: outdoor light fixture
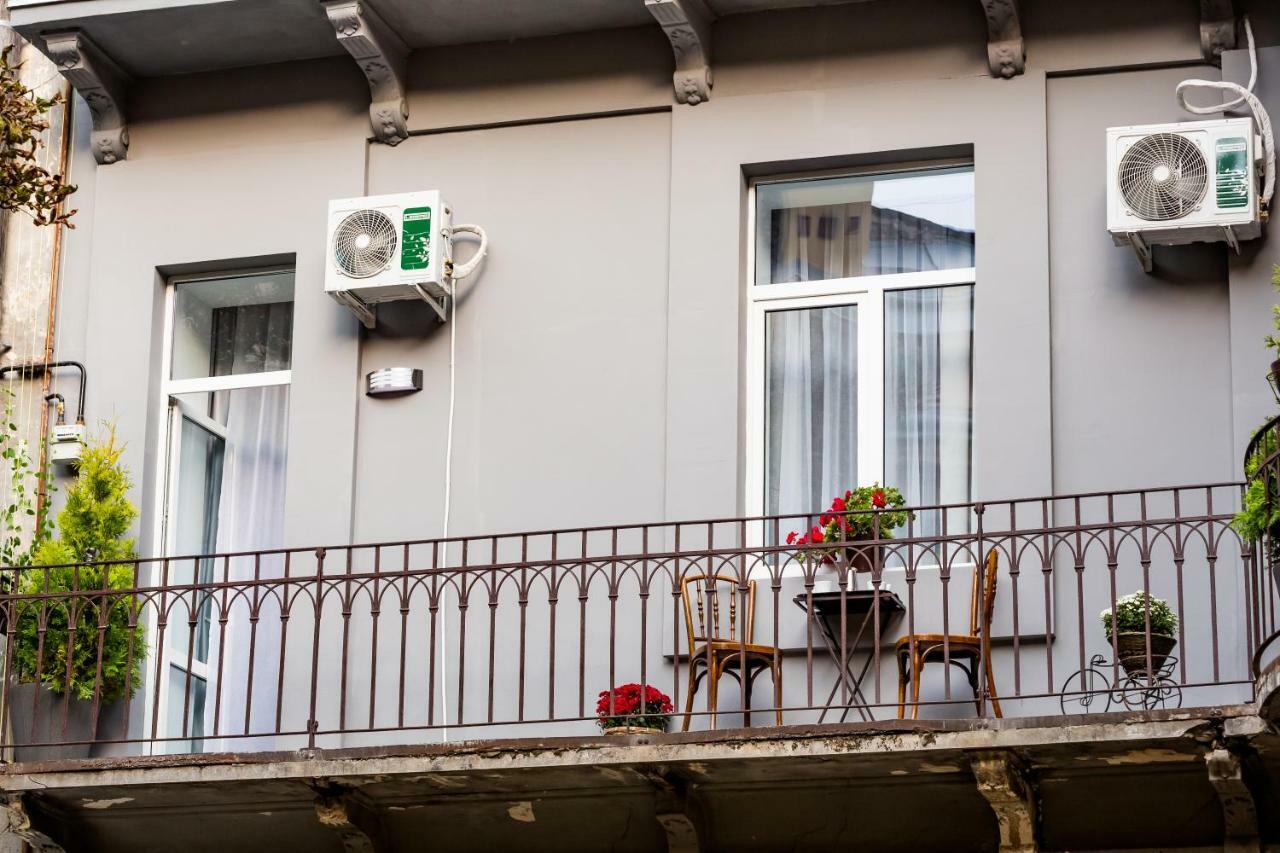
pixel 393 381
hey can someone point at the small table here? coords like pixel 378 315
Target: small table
pixel 859 609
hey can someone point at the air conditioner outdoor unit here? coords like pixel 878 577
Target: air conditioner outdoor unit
pixel 1190 182
pixel 386 248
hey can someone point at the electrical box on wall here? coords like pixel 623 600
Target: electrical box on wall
pixel 388 248
pixel 66 444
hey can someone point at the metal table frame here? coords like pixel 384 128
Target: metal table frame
pixel 826 609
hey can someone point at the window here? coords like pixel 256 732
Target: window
pixel 860 338
pixel 227 363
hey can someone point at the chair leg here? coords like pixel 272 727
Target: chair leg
pixel 917 667
pixel 713 690
pixel 991 688
pixel 746 710
pixel 688 698
pixel 902 685
pixel 776 671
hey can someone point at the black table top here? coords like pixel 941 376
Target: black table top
pixel 856 602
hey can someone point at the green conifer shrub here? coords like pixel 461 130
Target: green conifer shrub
pixel 93 622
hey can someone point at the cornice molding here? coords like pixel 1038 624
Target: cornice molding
pixel 687 24
pixel 383 59
pixel 1006 51
pixel 101 83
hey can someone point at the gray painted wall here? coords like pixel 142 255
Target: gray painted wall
pixel 600 354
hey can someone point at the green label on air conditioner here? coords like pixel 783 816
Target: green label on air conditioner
pixel 1231 179
pixel 415 248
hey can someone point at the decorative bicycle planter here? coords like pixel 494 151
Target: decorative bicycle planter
pixel 1089 691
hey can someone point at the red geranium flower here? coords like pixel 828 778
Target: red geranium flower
pixel 877 499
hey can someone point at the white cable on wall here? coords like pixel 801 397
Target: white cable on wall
pixel 459 271
pixel 1243 96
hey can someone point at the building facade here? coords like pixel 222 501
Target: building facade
pixel 847 244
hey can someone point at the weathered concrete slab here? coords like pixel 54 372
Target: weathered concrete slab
pixel 1102 782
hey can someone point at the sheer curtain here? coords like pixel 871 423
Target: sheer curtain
pixel 811 435
pixel 251 517
pixel 928 397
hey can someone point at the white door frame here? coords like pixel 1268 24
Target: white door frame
pixel 168 411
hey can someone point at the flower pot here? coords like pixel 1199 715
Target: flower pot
pixel 48 724
pixel 864 557
pixel 1131 648
pixel 633 730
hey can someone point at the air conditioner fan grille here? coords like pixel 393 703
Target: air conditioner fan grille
pixel 364 243
pixel 1163 176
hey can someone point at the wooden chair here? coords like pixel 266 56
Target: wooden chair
pixel 967 651
pixel 711 604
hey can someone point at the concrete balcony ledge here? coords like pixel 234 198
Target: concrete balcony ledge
pixel 1108 781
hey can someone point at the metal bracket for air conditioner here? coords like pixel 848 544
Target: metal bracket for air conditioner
pixel 356 305
pixel 1141 248
pixel 437 297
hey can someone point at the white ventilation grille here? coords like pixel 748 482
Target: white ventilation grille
pixel 364 243
pixel 1163 176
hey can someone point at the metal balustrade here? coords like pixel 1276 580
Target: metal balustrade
pixel 517 635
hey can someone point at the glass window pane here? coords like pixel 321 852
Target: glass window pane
pixel 811 407
pixel 827 228
pixel 186 694
pixel 234 325
pixel 928 412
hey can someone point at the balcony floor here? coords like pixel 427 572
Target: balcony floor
pixel 1100 782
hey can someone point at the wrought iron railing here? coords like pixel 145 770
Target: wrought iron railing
pixel 517 635
pixel 1261 501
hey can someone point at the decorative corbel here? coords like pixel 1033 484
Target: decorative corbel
pixel 333 810
pixel 687 24
pixel 101 83
pixel 673 811
pixel 1217 28
pixel 1239 811
pixel 383 58
pixel 18 824
pixel 1006 52
pixel 1002 781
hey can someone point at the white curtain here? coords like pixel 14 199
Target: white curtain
pixel 250 517
pixel 811 433
pixel 928 398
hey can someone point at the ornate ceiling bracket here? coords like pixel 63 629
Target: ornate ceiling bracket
pixel 336 809
pixel 672 809
pixel 1239 811
pixel 687 24
pixel 18 824
pixel 383 58
pixel 102 85
pixel 1217 28
pixel 1002 781
pixel 1006 52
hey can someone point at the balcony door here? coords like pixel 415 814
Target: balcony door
pixel 226 414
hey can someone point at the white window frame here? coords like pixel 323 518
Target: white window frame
pixel 166 471
pixel 867 292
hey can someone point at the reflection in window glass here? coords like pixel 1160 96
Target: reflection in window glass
pixel 228 326
pixel 831 228
pixel 811 407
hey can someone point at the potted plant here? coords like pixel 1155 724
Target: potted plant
pixel 630 709
pixel 1258 520
pixel 865 514
pixel 1273 341
pixel 1129 627
pixel 70 644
